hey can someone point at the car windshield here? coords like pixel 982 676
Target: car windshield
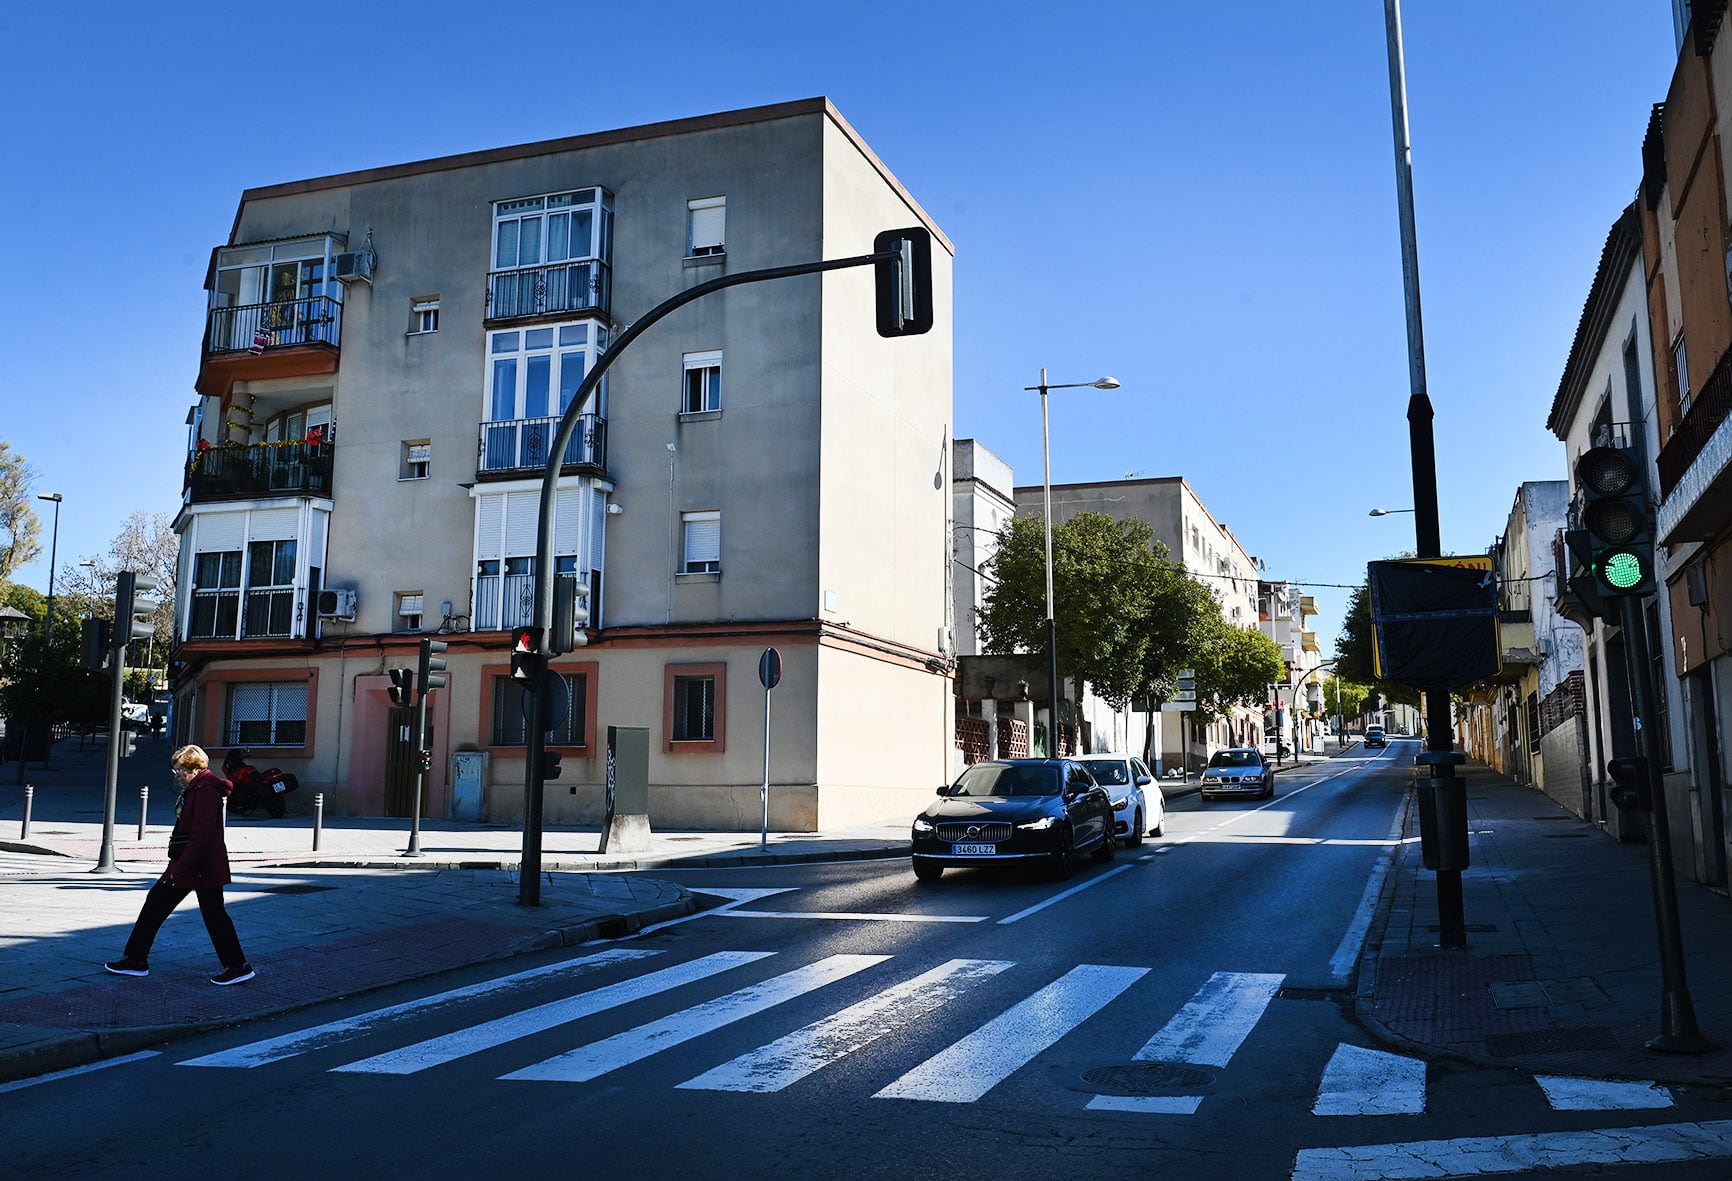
pixel 1002 779
pixel 1235 758
pixel 1108 773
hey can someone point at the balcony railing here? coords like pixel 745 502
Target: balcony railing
pixel 506 601
pixel 522 444
pixel 270 614
pixel 562 287
pixel 260 327
pixel 263 469
pixel 1707 412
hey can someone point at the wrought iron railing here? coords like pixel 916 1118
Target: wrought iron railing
pixel 506 601
pixel 1707 412
pixel 561 287
pixel 522 444
pixel 260 327
pixel 261 469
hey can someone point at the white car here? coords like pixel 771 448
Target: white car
pixel 1135 811
pixel 134 715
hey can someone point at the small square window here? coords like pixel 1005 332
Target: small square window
pixel 703 383
pixel 424 315
pixel 702 534
pixel 409 609
pixel 417 459
pixel 706 226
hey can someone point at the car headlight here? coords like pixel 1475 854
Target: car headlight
pixel 1253 779
pixel 923 825
pixel 1044 822
pixel 1121 803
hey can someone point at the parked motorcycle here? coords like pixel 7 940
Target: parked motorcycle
pixel 255 789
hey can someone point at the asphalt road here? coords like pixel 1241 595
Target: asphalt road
pixel 1185 1008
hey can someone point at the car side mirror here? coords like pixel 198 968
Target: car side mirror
pixel 1144 780
pixel 943 789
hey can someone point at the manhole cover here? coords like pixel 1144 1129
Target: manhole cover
pixel 303 888
pixel 1147 1078
pixel 1552 1041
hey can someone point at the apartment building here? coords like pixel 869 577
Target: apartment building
pixel 386 358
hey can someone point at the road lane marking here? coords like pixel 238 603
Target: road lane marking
pixel 1147 1104
pixel 1347 953
pixel 332 1032
pixel 541 1018
pixel 1062 895
pixel 1215 1021
pixel 1595 1094
pixel 609 1054
pixel 971 1067
pixel 736 895
pixel 70 1071
pixel 857 916
pixel 1481 1156
pixel 789 1059
pixel 1359 1081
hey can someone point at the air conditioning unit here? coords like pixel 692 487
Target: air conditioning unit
pixel 337 604
pixel 354 264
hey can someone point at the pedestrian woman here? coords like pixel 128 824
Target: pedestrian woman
pixel 198 863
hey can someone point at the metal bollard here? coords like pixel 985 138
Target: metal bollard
pixel 29 795
pixel 318 817
pixel 225 811
pixel 143 808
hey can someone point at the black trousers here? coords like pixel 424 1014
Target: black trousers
pixel 160 903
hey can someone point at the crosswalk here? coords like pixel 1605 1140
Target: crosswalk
pixel 1207 1030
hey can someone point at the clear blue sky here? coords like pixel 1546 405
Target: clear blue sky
pixel 1194 198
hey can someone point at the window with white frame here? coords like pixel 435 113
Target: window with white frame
pixel 550 253
pixel 417 459
pixel 703 383
pixel 702 536
pixel 267 713
pixel 270 588
pixel 409 608
pixel 423 315
pixel 706 226
pixel 216 595
pixel 506 526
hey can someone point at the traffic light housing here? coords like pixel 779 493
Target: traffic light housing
pixel 432 666
pixel 134 603
pixel 1618 520
pixel 1630 789
pixel 402 686
pixel 97 637
pixel 903 282
pixel 527 661
pixel 570 614
pixel 550 764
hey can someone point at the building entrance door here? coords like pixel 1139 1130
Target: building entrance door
pixel 402 763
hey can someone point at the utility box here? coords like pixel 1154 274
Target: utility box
pixel 626 828
pixel 468 775
pixel 1442 821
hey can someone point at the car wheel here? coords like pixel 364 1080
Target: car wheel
pixel 1160 825
pixel 1135 836
pixel 926 871
pixel 1108 848
pixel 1064 857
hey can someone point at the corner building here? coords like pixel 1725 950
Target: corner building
pixel 386 358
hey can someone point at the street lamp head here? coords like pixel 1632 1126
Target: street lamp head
pixel 54 496
pixel 1384 512
pixel 1105 383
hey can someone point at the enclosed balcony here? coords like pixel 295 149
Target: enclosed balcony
pixel 276 310
pixel 511 449
pixel 299 468
pixel 550 255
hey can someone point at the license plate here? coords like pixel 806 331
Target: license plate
pixel 980 850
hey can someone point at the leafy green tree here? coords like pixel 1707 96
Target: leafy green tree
pixel 1353 658
pixel 1236 666
pixel 20 528
pixel 43 685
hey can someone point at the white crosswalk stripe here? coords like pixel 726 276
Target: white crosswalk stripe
pixel 789 1059
pixel 1213 1023
pixel 1598 1094
pixel 1359 1081
pixel 599 1058
pixel 983 1059
pixel 544 1017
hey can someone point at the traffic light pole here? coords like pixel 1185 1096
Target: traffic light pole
pixel 529 872
pixel 414 849
pixel 1678 1031
pixel 117 685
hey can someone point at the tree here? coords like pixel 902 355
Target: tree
pixel 43 685
pixel 20 528
pixel 1236 666
pixel 1353 658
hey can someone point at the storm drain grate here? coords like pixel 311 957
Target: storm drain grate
pixel 1564 836
pixel 1471 928
pixel 1553 1041
pixel 1147 1078
pixel 303 888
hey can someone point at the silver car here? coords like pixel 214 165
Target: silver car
pixel 1238 771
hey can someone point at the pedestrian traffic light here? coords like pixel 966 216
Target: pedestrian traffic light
pixel 1618 520
pixel 527 662
pixel 903 281
pixel 1630 788
pixel 550 764
pixel 96 637
pixel 570 614
pixel 402 686
pixel 432 665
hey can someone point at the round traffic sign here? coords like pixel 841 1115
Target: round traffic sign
pixel 770 668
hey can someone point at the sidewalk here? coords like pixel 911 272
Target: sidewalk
pixel 1560 975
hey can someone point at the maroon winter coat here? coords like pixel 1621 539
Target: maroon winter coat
pixel 204 862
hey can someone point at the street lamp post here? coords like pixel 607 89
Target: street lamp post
pixel 1099 383
pixel 1385 512
pixel 53 557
